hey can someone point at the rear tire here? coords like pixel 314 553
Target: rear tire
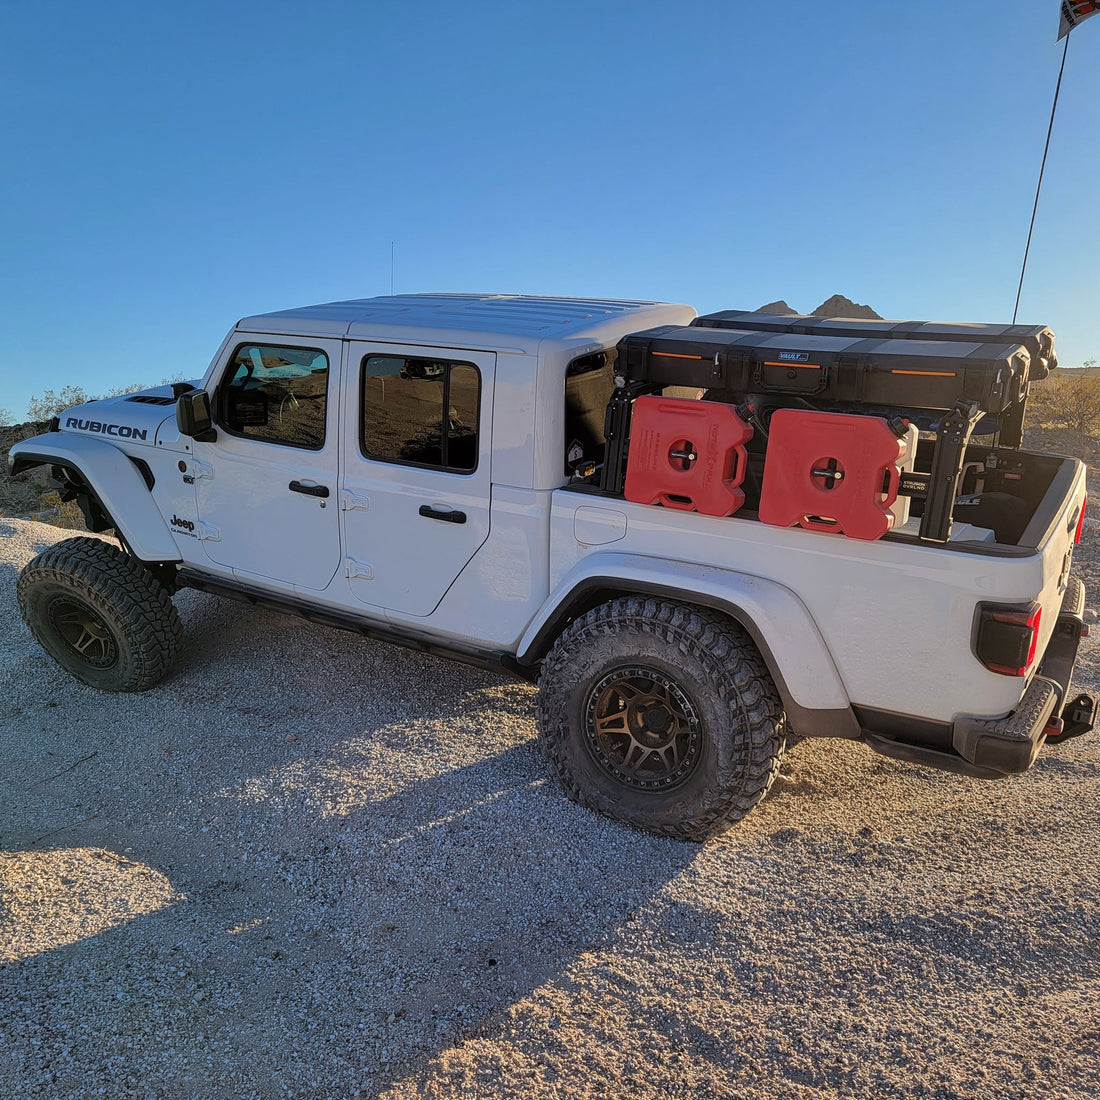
pixel 661 715
pixel 100 614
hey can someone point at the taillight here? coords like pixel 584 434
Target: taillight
pixel 1080 521
pixel 1007 637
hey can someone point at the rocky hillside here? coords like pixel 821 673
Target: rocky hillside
pixel 839 306
pixel 836 306
pixel 21 496
pixel 33 495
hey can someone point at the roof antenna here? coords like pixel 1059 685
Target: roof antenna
pixel 391 269
pixel 1039 188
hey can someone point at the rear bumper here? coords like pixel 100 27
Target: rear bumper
pixel 1006 745
pixel 1011 744
pixel 989 748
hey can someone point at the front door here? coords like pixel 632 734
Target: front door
pixel 266 488
pixel 415 494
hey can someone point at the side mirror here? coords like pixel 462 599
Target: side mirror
pixel 193 413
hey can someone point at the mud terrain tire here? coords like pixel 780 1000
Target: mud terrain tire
pixel 100 614
pixel 661 715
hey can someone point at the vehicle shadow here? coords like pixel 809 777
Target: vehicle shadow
pixel 360 877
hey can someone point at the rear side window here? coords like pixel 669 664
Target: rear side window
pixel 420 412
pixel 276 394
pixel 589 382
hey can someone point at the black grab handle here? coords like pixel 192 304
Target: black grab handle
pixel 309 490
pixel 438 513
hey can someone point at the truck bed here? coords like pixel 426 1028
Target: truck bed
pixel 897 614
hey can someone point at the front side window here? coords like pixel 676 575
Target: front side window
pixel 277 395
pixel 422 412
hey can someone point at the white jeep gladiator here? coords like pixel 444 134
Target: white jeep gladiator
pixel 432 469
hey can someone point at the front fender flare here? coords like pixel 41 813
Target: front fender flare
pixel 115 481
pixel 777 620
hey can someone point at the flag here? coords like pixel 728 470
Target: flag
pixel 1075 12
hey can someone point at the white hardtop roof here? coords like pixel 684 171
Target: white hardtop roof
pixel 470 320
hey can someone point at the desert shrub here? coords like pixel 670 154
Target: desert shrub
pixel 6 418
pixel 50 403
pixel 1067 399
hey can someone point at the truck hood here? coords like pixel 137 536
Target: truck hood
pixel 132 416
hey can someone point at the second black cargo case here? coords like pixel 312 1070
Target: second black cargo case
pixel 1037 340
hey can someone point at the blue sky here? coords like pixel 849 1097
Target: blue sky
pixel 170 168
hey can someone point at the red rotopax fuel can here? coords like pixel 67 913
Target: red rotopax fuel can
pixel 831 472
pixel 687 454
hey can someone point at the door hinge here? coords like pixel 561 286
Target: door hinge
pixel 358 570
pixel 350 501
pixel 207 531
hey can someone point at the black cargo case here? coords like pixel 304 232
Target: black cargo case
pixel 1037 340
pixel 837 371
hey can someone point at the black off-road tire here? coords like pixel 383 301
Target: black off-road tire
pixel 100 614
pixel 715 689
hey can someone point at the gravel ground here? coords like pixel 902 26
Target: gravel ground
pixel 311 865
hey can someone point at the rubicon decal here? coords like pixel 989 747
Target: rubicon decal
pixel 186 524
pixel 123 430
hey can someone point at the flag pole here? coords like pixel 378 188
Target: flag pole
pixel 1042 168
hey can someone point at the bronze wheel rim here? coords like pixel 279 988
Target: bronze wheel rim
pixel 642 729
pixel 83 633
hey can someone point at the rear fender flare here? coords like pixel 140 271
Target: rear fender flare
pixel 777 620
pixel 114 480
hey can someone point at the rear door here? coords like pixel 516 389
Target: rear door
pixel 416 473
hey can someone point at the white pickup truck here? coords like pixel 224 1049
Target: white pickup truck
pixel 418 468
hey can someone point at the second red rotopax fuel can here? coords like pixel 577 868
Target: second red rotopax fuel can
pixel 831 472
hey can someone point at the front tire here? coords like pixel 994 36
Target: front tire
pixel 100 614
pixel 661 715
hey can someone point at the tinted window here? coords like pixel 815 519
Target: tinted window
pixel 421 411
pixel 277 395
pixel 589 383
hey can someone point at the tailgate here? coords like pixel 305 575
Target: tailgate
pixel 1048 710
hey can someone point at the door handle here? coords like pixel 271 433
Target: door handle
pixel 429 512
pixel 309 490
